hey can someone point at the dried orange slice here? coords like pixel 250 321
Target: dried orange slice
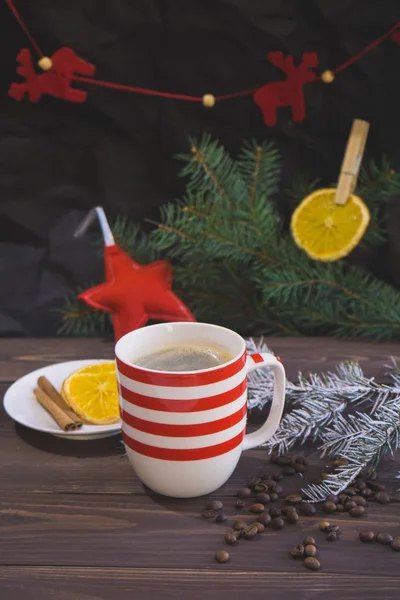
pixel 102 367
pixel 329 231
pixel 92 393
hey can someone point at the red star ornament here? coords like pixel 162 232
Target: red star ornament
pixel 133 293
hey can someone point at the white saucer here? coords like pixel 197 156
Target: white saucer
pixel 21 405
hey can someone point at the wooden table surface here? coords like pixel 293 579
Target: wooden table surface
pixel 76 523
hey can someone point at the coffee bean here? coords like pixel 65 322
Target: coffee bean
pixel 366 492
pixel 222 556
pixel 307 509
pixel 257 508
pixel 366 536
pixel 350 491
pixel 382 498
pixel 292 517
pixel 264 519
pixel 332 536
pixel 278 523
pixel 340 462
pixel 259 488
pixel 289 471
pixel 395 544
pixel 240 525
pixel 339 507
pixel 240 504
pixel 275 512
pixel 310 550
pixel 221 518
pixel 278 489
pixel 263 498
pixel 274 497
pixel 379 487
pixel 293 499
pixel 297 551
pixel 254 482
pixel 332 498
pixel 259 526
pixel 277 476
pixel 231 539
pixel 270 483
pixel 309 541
pixel 244 492
pixel 209 514
pixel 374 485
pixel 349 505
pixel 301 461
pixel 324 525
pixel 284 460
pixel 330 507
pixel 312 563
pixel 384 538
pixel 343 498
pixel 357 512
pixel 273 457
pixel 250 532
pixel 299 468
pixel 214 505
pixel 361 485
pixel 286 510
pixel 359 500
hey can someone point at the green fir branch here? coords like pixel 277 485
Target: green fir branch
pixel 234 264
pixel 302 186
pixel 133 240
pixel 210 170
pixel 78 319
pixel 377 183
pixel 260 168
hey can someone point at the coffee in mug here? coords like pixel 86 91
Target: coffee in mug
pixel 188 357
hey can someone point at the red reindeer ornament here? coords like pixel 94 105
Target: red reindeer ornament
pixel 288 92
pixel 54 82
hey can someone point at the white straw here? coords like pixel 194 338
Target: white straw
pixel 104 226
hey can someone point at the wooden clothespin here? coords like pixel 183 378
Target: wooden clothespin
pixel 352 161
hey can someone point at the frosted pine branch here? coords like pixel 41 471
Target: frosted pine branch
pixel 320 399
pixel 362 440
pixel 317 400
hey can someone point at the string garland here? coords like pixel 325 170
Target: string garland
pixel 59 84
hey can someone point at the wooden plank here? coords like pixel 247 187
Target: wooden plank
pixel 19 356
pixel 37 463
pixel 144 532
pixel 116 583
pixel 6 424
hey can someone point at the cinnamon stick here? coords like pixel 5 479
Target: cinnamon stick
pixel 51 391
pixel 61 418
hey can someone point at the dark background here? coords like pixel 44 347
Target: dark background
pixel 58 159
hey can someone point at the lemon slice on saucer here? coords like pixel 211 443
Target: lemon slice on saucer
pixel 92 393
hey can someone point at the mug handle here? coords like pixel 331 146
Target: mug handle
pixel 266 431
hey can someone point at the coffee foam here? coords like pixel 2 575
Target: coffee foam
pixel 184 358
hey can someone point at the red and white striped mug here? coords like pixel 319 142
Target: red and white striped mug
pixel 184 431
